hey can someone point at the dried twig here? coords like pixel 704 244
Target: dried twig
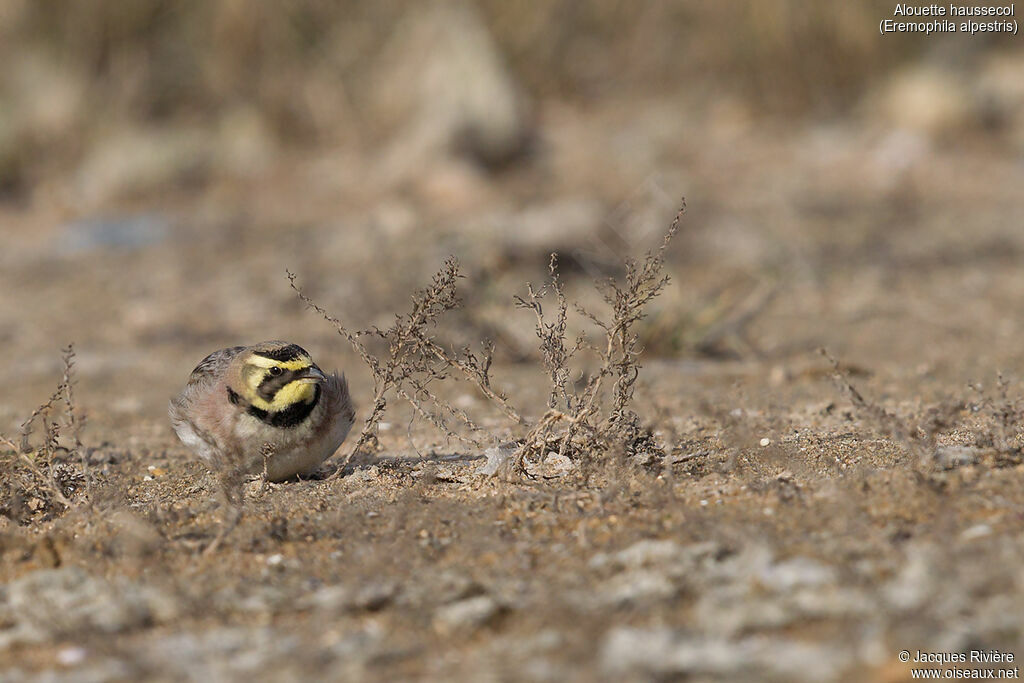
pixel 587 423
pixel 920 436
pixel 1007 415
pixel 579 423
pixel 415 359
pixel 37 471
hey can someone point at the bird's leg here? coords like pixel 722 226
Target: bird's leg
pixel 267 451
pixel 234 515
pixel 231 500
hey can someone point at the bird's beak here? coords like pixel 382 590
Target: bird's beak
pixel 312 375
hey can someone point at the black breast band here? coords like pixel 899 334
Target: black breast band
pixel 291 416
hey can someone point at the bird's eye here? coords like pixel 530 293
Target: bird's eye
pixel 275 371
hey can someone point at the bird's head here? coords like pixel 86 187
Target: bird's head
pixel 276 376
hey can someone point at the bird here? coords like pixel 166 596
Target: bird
pixel 265 407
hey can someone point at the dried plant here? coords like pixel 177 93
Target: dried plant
pixel 1001 431
pixel 995 436
pixel 582 423
pixel 890 425
pixel 586 424
pixel 415 360
pixel 918 435
pixel 45 476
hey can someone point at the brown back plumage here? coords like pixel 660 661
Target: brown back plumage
pixel 214 364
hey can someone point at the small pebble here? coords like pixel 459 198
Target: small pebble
pixel 70 656
pixel 275 559
pixel 466 615
pixel 766 441
pixel 976 531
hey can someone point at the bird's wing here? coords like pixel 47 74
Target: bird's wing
pixel 337 390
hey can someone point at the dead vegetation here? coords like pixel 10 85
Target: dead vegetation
pixel 415 360
pixel 47 468
pixel 950 433
pixel 589 414
pixel 589 419
pixel 1002 420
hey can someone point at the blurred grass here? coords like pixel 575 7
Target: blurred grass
pixel 156 58
pixel 785 56
pixel 306 66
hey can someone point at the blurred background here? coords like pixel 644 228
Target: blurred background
pixel 162 163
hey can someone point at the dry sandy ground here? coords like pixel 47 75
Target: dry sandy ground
pixel 788 534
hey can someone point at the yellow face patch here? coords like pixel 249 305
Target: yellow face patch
pixel 287 396
pixel 259 370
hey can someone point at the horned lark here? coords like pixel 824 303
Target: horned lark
pixel 266 407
